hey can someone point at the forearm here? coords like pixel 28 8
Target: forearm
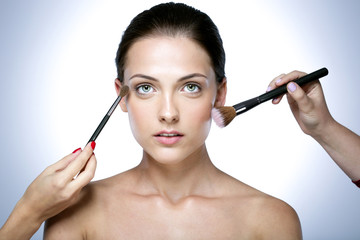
pixel 20 225
pixel 343 146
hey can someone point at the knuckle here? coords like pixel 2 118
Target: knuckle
pixel 92 174
pixel 58 183
pixel 65 195
pixel 89 175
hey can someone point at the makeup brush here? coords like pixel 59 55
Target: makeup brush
pixel 224 115
pixel 124 91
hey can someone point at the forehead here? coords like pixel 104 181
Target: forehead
pixel 154 55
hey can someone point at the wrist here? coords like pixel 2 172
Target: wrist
pixel 326 132
pixel 28 213
pixel 21 224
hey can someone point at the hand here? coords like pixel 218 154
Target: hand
pixel 309 108
pixel 307 103
pixel 54 190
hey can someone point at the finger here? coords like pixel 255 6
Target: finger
pixel 85 176
pixel 64 162
pixel 290 99
pixel 75 166
pixel 272 84
pixel 277 99
pixel 289 77
pixel 283 79
pixel 304 103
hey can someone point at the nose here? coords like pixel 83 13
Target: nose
pixel 168 112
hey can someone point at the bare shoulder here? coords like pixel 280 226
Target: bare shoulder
pixel 266 216
pixel 278 219
pixel 86 212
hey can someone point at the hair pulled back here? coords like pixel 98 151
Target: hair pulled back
pixel 174 19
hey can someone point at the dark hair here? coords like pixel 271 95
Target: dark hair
pixel 174 19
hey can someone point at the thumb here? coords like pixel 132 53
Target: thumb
pixel 304 103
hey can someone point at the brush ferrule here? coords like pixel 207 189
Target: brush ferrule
pixel 246 105
pixel 112 108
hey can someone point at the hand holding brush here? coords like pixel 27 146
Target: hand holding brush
pixel 224 115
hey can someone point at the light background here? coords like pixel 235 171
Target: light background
pixel 57 81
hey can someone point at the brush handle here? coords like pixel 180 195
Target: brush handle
pixel 99 128
pixel 104 120
pixel 249 104
pixel 246 105
pixel 301 81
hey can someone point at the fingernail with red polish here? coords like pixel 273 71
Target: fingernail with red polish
pixel 78 149
pixel 93 144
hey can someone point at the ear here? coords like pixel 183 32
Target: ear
pixel 122 103
pixel 221 94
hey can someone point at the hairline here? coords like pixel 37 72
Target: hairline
pixel 161 32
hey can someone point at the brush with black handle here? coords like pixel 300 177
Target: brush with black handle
pixel 224 115
pixel 124 91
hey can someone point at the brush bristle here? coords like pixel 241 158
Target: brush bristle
pixel 124 91
pixel 223 115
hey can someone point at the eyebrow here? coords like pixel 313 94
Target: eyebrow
pixel 181 79
pixel 192 76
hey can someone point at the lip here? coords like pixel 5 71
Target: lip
pixel 168 137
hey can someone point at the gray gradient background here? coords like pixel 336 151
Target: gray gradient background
pixel 56 83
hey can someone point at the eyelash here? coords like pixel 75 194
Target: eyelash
pixel 198 88
pixel 143 85
pixel 139 88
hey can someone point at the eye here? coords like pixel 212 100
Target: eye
pixel 144 89
pixel 191 88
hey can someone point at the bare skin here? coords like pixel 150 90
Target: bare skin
pixel 309 108
pixel 175 192
pixel 216 206
pixel 51 192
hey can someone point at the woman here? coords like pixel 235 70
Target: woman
pixel 176 75
pixel 172 59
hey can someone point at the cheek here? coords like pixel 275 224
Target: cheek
pixel 199 115
pixel 137 113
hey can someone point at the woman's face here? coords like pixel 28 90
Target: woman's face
pixel 172 91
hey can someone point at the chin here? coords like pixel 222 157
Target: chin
pixel 172 155
pixel 168 156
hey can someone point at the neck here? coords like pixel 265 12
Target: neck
pixel 175 182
